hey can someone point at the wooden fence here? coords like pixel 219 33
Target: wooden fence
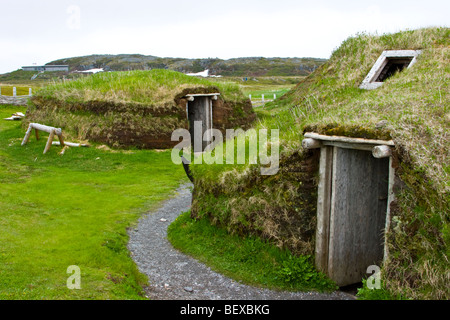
pixel 14 92
pixel 259 102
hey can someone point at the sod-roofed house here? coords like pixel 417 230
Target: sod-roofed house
pixel 139 108
pixel 363 179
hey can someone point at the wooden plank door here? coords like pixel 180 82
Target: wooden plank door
pixel 353 196
pixel 199 110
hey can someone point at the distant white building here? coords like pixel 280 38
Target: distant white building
pixel 46 68
pixel 96 70
pixel 204 74
pixel 199 74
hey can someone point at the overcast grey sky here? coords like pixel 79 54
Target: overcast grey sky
pixel 39 31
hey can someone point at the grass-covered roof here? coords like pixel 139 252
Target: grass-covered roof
pixel 153 87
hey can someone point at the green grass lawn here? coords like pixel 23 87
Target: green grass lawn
pixel 258 86
pixel 73 209
pixel 268 90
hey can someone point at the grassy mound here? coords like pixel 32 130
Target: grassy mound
pixel 136 108
pixel 411 108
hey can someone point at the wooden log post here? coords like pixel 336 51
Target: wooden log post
pixel 45 128
pixel 347 139
pixel 309 143
pixel 70 144
pixel 49 141
pixel 27 134
pixel 323 208
pixel 61 140
pixel 380 152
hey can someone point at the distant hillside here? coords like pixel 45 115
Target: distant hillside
pixel 24 77
pixel 240 67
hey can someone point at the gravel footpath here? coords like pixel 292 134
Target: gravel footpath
pixel 175 276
